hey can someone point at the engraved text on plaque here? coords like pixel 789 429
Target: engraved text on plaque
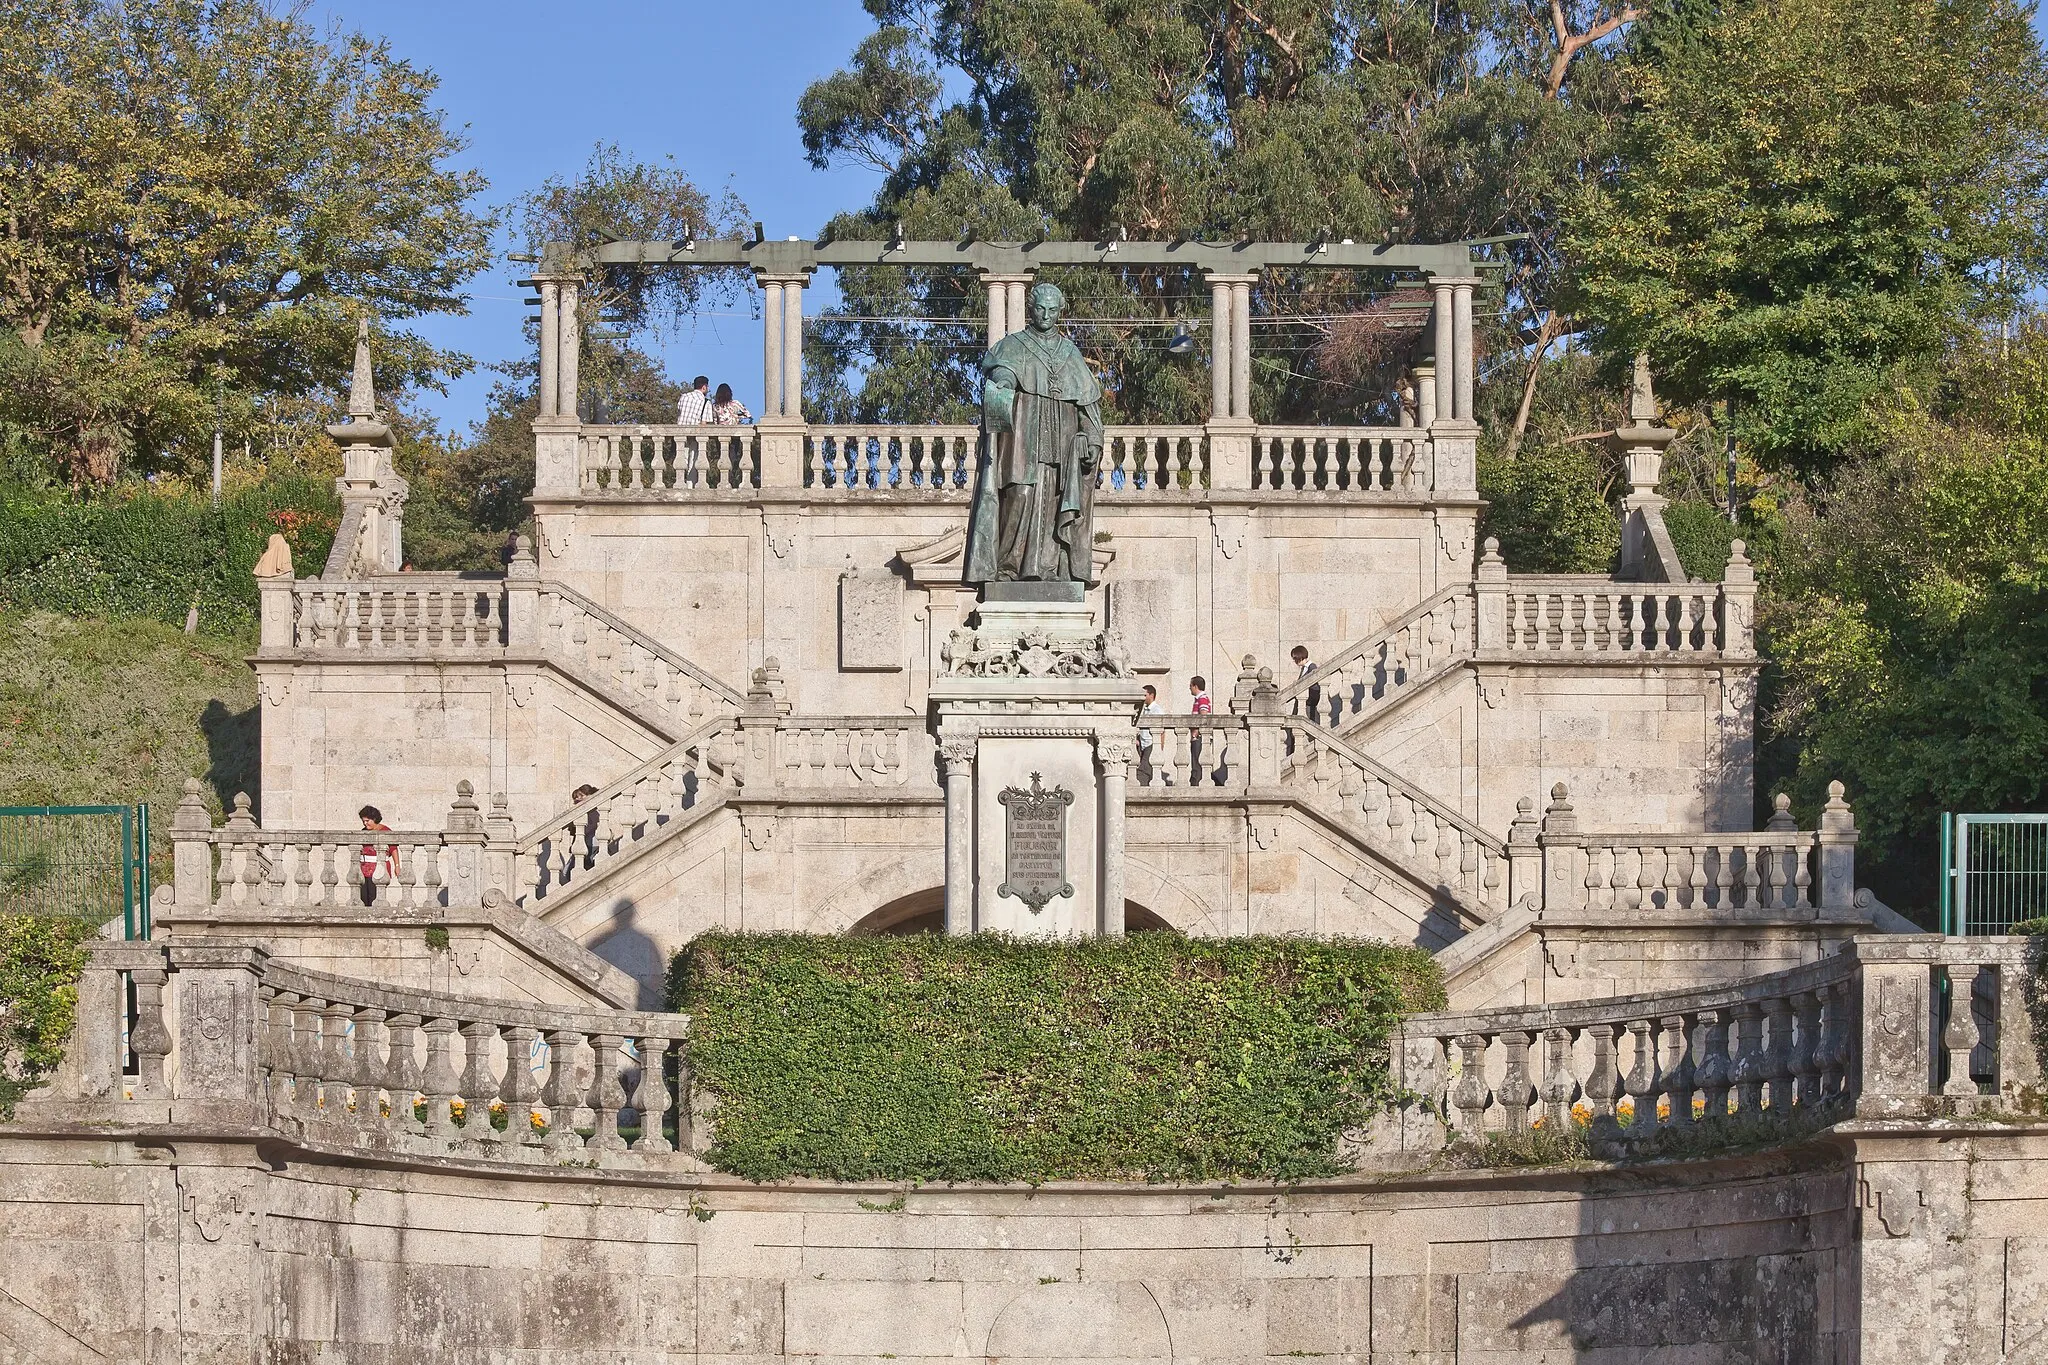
pixel 1035 867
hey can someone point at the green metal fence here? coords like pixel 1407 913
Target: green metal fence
pixel 1994 872
pixel 77 860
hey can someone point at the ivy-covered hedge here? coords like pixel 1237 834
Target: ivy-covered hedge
pixel 151 555
pixel 41 958
pixel 982 1058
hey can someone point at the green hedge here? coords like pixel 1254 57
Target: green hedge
pixel 41 958
pixel 152 556
pixel 982 1058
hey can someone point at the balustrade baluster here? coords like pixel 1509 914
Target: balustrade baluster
pixel 1469 1094
pixel 437 1079
pixel 1614 638
pixel 149 1039
pixel 1559 1089
pixel 1840 1035
pixel 518 1089
pixel 479 1084
pixel 274 1055
pixel 306 1060
pixel 1714 1072
pixel 1680 1076
pixel 1751 1067
pixel 337 1067
pixel 1516 1092
pixel 1644 1081
pixel 1778 1057
pixel 563 1092
pixel 402 1073
pixel 1959 1036
pixel 1602 1081
pixel 607 1095
pixel 1806 1060
pixel 650 1097
pixel 1752 876
pixel 367 1066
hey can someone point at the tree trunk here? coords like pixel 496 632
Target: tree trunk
pixel 1545 336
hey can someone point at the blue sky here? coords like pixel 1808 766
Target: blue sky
pixel 714 85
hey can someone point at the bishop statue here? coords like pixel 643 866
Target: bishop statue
pixel 1033 518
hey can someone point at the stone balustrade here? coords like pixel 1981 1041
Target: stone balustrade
pixel 642 458
pixel 1776 872
pixel 1587 615
pixel 1891 1026
pixel 627 460
pixel 849 753
pixel 688 778
pixel 1193 755
pixel 575 633
pixel 1418 830
pixel 1341 459
pixel 361 1065
pixel 412 612
pixel 1363 679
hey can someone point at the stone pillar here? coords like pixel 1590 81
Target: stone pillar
pixel 1461 338
pixel 793 348
pixel 571 351
pixel 1230 425
pixel 1562 844
pixel 463 841
pixel 1445 350
pixel 550 341
pixel 1525 855
pixel 1896 1019
pixel 1220 335
pixel 274 621
pixel 218 1016
pixel 771 345
pixel 1114 755
pixel 1837 840
pixel 1241 348
pixel 192 851
pixel 1425 395
pixel 501 849
pixel 1006 304
pixel 1490 590
pixel 956 752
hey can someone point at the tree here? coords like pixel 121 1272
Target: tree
pixel 199 199
pixel 1811 194
pixel 1906 614
pixel 1275 118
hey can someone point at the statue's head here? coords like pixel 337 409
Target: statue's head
pixel 1042 310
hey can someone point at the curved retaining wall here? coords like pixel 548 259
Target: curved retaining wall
pixel 180 1246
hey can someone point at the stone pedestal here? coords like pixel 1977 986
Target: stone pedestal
pixel 1038 714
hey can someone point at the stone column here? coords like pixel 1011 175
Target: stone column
pixel 1425 395
pixel 192 851
pixel 1563 846
pixel 1461 338
pixel 550 340
pixel 793 348
pixel 571 346
pixel 1445 351
pixel 1837 840
pixel 956 753
pixel 771 346
pixel 1018 288
pixel 1525 855
pixel 1115 754
pixel 998 308
pixel 1241 349
pixel 1220 335
pixel 218 1015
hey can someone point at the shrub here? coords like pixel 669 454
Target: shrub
pixel 41 958
pixel 984 1058
pixel 153 555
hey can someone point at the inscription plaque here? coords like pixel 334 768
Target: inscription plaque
pixel 1035 861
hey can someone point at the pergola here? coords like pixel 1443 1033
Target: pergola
pixel 1448 272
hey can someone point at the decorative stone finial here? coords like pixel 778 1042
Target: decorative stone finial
pixel 191 813
pixel 1642 402
pixel 1781 814
pixel 1641 443
pixel 464 815
pixel 1739 569
pixel 1836 815
pixel 1522 830
pixel 362 427
pixel 1559 817
pixel 241 817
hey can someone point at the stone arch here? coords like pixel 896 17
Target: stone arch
pixel 1167 900
pixel 1120 1321
pixel 920 912
pixel 899 876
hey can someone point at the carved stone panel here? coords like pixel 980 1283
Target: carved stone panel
pixel 1141 611
pixel 870 622
pixel 1035 832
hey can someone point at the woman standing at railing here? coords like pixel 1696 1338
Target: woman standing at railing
pixel 373 820
pixel 728 411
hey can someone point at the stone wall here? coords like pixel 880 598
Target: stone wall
pixel 1876 1248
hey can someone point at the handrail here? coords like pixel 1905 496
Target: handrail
pixel 1438 810
pixel 1413 616
pixel 645 641
pixel 581 811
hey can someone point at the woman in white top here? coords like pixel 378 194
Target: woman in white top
pixel 728 411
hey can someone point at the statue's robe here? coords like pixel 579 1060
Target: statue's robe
pixel 1033 516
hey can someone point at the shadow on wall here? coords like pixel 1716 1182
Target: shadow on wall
pixel 234 752
pixel 633 952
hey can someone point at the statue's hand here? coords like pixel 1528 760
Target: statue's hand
pixel 1091 457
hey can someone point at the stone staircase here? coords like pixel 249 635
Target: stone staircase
pixel 1369 680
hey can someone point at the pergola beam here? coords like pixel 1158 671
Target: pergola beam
pixel 1016 258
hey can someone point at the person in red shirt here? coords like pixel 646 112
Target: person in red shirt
pixel 373 820
pixel 1198 688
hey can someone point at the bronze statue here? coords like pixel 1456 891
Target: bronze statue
pixel 1033 517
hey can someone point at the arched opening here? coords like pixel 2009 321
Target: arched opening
pixel 924 912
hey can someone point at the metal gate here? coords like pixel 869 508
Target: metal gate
pixel 91 861
pixel 1994 872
